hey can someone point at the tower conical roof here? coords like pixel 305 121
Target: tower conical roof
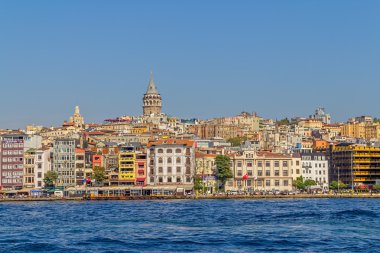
pixel 152 86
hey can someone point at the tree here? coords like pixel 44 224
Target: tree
pixel 283 122
pixel 299 183
pixel 376 187
pixel 223 167
pixel 236 141
pixel 50 178
pixel 99 174
pixel 309 182
pixel 198 183
pixel 335 185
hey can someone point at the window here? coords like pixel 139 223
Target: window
pixel 297 163
pixel 178 160
pixel 178 151
pixel 169 151
pixel 276 173
pixel 297 171
pixel 249 182
pixel 267 173
pixel 267 164
pixel 169 170
pixel 259 173
pixel 277 183
pixel 160 179
pixel 249 164
pixel 169 179
pixel 285 164
pixel 188 180
pixel 160 160
pixel 267 182
pixel 39 175
pixel 160 170
pixel 160 151
pixel 249 172
pixel 169 160
pixel 239 173
pixel 259 183
pixel 152 179
pixel 276 164
pixel 178 180
pixel 178 169
pixel 239 163
pixel 260 164
pixel 285 173
pixel 238 182
pixel 286 182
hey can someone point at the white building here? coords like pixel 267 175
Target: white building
pixel 171 162
pixel 42 165
pixel 315 167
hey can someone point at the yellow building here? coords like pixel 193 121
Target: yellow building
pixel 355 164
pixel 361 130
pixel 310 123
pixel 127 166
pixel 206 171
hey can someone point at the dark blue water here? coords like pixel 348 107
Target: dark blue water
pixel 307 225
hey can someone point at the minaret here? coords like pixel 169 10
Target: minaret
pixel 152 101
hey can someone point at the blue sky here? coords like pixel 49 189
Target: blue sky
pixel 210 58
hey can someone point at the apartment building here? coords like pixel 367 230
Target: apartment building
pixel 171 162
pixel 11 161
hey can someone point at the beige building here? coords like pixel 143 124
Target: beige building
pixel 264 171
pixel 205 169
pixel 29 164
pixel 310 123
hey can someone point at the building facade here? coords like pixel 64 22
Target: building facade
pixel 315 167
pixel 64 161
pixel 355 165
pixel 11 161
pixel 171 162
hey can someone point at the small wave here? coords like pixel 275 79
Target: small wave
pixel 356 213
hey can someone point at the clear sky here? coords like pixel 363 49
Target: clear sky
pixel 210 58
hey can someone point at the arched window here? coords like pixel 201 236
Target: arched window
pixel 178 150
pixel 160 151
pixel 169 151
pixel 160 160
pixel 169 160
pixel 178 160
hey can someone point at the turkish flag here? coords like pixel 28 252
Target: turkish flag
pixel 245 177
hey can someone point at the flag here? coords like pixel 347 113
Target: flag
pixel 245 177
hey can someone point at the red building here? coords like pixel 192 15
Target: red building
pixel 97 161
pixel 11 161
pixel 140 169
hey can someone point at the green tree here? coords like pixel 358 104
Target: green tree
pixel 299 183
pixel 223 167
pixel 283 122
pixel 198 183
pixel 376 187
pixel 50 178
pixel 309 182
pixel 99 174
pixel 335 185
pixel 236 141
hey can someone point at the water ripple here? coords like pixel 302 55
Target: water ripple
pixel 309 225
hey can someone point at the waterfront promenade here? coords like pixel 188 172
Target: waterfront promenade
pixel 193 197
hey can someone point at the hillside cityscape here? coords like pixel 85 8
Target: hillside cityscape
pixel 158 154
